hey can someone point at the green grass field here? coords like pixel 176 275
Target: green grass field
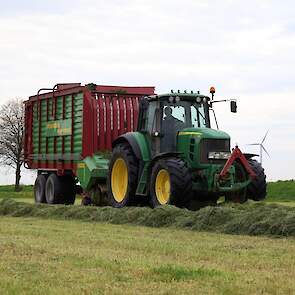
pixel 47 255
pixel 73 257
pixel 281 191
pixel 25 195
pixel 278 192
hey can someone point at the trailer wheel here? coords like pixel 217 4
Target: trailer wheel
pixel 69 190
pixel 39 189
pixel 122 178
pixel 54 190
pixel 171 183
pixel 256 190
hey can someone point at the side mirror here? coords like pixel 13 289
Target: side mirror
pixel 233 106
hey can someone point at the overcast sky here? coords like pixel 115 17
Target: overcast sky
pixel 246 49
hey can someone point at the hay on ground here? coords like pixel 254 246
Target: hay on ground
pixel 249 219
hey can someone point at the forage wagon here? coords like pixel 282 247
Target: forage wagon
pixel 119 145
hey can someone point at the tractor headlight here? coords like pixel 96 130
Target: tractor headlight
pixel 219 155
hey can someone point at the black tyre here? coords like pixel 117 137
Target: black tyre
pixel 39 189
pixel 69 190
pixel 122 178
pixel 241 195
pixel 54 190
pixel 86 201
pixel 171 183
pixel 256 190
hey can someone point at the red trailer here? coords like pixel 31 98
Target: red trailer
pixel 71 122
pixel 68 127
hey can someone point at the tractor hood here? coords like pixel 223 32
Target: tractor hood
pixel 196 143
pixel 201 133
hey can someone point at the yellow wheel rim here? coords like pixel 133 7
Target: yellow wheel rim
pixel 163 187
pixel 119 180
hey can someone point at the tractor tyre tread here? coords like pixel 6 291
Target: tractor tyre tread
pixel 124 151
pixel 256 190
pixel 180 181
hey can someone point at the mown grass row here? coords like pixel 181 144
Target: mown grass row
pixel 250 219
pixel 48 256
pixel 283 191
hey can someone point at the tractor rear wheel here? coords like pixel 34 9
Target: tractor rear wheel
pixel 39 189
pixel 171 183
pixel 122 178
pixel 256 190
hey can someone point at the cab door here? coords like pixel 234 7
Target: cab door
pixel 173 120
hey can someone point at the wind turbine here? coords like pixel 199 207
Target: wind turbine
pixel 262 148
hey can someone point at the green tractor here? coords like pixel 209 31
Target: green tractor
pixel 176 158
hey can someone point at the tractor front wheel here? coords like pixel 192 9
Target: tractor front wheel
pixel 122 178
pixel 256 190
pixel 171 183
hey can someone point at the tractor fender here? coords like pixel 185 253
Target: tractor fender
pixel 130 139
pixel 139 146
pixel 249 156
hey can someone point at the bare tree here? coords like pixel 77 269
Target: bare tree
pixel 11 137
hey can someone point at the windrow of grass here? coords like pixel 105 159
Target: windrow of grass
pixel 249 219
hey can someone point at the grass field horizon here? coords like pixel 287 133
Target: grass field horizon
pixel 280 191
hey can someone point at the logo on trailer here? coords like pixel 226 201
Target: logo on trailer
pixel 59 128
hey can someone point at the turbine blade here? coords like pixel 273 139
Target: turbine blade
pixel 264 137
pixel 265 150
pixel 253 144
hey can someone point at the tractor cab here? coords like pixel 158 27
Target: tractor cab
pixel 163 117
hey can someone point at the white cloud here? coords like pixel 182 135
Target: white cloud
pixel 245 49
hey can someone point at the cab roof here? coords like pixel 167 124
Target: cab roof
pixel 182 96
